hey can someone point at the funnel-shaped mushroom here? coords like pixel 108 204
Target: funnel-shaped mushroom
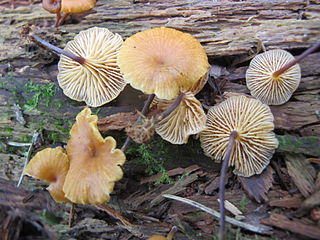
pixel 50 165
pixel 267 87
pixel 162 61
pixel 187 119
pixel 94 162
pixel 98 80
pixel 252 123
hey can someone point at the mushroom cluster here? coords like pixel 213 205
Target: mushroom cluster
pixel 88 170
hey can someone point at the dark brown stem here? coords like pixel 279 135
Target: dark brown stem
pixel 296 60
pixel 78 59
pixel 233 136
pixel 167 112
pixel 71 215
pixel 61 20
pixel 143 112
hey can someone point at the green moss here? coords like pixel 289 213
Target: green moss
pixel 243 203
pixel 8 129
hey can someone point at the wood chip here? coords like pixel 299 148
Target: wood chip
pixel 280 221
pixel 302 173
pixel 117 121
pixel 288 202
pixel 257 186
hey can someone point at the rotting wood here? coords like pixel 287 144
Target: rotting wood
pixel 280 221
pixel 302 173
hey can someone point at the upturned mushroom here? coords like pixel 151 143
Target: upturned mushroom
pixel 67 7
pixel 94 162
pixel 51 166
pixel 273 76
pixel 88 68
pixel 239 131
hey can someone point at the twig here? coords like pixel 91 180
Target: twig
pixel 261 229
pixel 17 144
pixel 34 140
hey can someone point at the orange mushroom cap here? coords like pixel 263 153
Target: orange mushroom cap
pixel 267 88
pixel 162 61
pixel 94 162
pixel 98 80
pixel 255 142
pixel 50 165
pixel 75 6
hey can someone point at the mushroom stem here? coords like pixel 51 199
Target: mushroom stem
pixel 71 215
pixel 167 112
pixel 233 136
pixel 143 113
pixel 172 232
pixel 296 60
pixel 78 59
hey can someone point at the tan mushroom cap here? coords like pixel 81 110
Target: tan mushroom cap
pixel 98 80
pixel 268 89
pixel 187 119
pixel 162 61
pixel 75 6
pixel 256 142
pixel 50 165
pixel 94 162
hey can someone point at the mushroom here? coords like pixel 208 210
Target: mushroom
pixel 162 61
pixel 270 88
pixel 239 129
pixel 50 165
pixel 170 235
pixel 187 119
pixel 98 80
pixel 66 6
pixel 94 162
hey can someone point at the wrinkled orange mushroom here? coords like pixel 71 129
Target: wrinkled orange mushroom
pixel 162 61
pixel 94 162
pixel 50 165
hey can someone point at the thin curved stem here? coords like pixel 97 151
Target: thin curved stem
pixel 78 59
pixel 296 60
pixel 143 112
pixel 232 138
pixel 167 112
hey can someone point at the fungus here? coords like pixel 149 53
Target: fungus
pixel 239 129
pixel 170 235
pixel 66 6
pixel 273 76
pixel 187 119
pixel 94 162
pixel 162 61
pixel 98 80
pixel 50 165
pixel 269 88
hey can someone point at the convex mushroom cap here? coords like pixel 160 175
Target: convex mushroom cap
pixel 50 165
pixel 255 143
pixel 162 61
pixel 94 162
pixel 98 80
pixel 270 89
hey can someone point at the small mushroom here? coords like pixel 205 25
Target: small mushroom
pixel 187 119
pixel 170 235
pixel 98 80
pixel 94 162
pixel 265 85
pixel 50 165
pixel 162 61
pixel 66 6
pixel 253 123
